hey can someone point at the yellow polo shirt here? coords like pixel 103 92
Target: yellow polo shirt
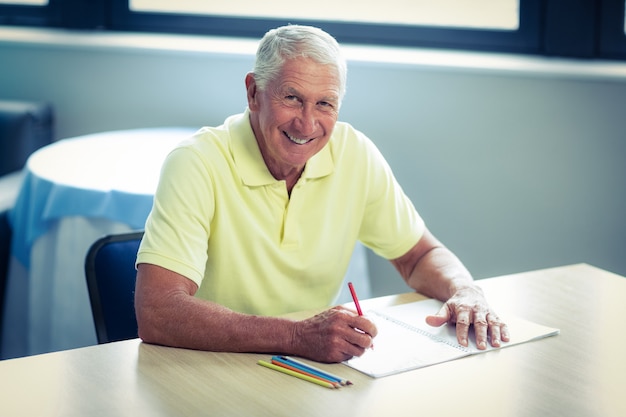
pixel 222 220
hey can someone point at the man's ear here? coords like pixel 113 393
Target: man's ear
pixel 252 91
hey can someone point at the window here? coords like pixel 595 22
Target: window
pixel 25 2
pixel 509 25
pixel 481 14
pixel 571 28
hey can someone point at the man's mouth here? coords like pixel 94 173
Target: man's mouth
pixel 297 140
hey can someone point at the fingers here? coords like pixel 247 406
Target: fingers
pixel 334 336
pixel 480 329
pixel 454 314
pixel 499 331
pixel 439 319
pixel 362 325
pixel 364 333
pixel 504 332
pixel 488 328
pixel 463 321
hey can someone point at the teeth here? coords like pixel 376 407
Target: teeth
pixel 296 140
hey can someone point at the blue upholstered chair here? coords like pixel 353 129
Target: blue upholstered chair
pixel 111 275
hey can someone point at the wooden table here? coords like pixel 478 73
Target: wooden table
pixel 581 372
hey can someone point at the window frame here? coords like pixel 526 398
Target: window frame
pixel 545 27
pixel 612 36
pixel 24 15
pixel 65 14
pixel 525 40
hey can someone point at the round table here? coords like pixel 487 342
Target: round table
pixel 74 191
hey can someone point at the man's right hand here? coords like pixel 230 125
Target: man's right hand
pixel 334 335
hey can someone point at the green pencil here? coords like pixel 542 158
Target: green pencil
pixel 296 374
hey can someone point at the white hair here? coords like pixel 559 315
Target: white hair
pixel 297 41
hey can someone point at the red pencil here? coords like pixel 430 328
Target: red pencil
pixel 355 299
pixel 356 303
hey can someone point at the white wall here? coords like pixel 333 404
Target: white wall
pixel 516 163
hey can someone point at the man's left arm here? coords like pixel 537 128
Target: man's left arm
pixel 433 270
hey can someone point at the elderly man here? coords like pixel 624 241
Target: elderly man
pixel 257 217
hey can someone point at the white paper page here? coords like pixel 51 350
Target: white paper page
pixel 414 344
pixel 397 348
pixel 414 315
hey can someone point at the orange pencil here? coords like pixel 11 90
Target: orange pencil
pixel 284 365
pixel 296 374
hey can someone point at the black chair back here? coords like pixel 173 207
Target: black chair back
pixel 111 275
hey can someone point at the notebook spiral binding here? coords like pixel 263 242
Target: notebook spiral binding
pixel 421 331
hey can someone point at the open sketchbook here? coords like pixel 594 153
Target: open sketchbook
pixel 406 342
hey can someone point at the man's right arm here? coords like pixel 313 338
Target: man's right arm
pixel 169 314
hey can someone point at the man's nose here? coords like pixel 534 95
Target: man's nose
pixel 306 120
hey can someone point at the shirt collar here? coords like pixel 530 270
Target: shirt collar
pixel 249 161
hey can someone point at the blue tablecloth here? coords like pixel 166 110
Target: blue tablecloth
pixel 74 191
pixel 74 177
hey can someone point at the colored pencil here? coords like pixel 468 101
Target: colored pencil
pixel 302 367
pixel 296 369
pixel 357 304
pixel 296 374
pixel 311 368
pixel 355 298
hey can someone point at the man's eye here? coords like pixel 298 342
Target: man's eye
pixel 326 106
pixel 292 101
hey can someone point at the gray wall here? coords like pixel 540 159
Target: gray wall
pixel 513 168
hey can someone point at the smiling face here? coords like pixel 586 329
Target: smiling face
pixel 294 116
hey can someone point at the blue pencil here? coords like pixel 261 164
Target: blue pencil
pixel 311 369
pixel 302 367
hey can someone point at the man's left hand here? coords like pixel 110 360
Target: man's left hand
pixel 468 307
